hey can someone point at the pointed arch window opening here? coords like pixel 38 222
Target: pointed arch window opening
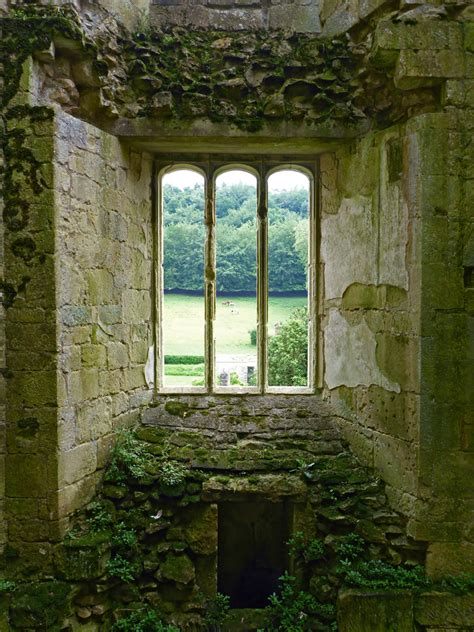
pixel 252 371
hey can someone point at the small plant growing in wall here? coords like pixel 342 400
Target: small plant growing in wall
pixel 6 586
pixel 122 568
pixel 217 613
pixel 128 458
pixel 294 610
pixel 308 550
pixel 143 620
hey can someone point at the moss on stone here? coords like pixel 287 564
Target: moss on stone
pixel 39 605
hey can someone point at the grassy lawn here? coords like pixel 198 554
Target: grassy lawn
pixel 183 325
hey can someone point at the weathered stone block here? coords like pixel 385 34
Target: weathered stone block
pixel 449 558
pixel 445 610
pixel 201 529
pixel 84 558
pixel 26 475
pixel 77 463
pixel 178 568
pixel 359 611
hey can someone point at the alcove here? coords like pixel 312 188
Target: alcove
pixel 252 551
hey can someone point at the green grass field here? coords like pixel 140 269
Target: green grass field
pixel 183 322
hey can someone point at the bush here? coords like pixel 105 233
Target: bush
pixel 288 352
pixel 184 359
pixel 184 369
pixel 253 337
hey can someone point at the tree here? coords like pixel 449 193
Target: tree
pixel 288 352
pixel 184 257
pixel 286 272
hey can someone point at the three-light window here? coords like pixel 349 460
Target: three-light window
pixel 235 277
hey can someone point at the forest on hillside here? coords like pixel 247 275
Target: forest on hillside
pixel 184 234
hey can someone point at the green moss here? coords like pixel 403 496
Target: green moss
pixel 31 29
pixel 173 407
pixel 39 605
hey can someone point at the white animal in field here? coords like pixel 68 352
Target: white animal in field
pixel 231 304
pixel 234 311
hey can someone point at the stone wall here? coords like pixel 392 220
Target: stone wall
pixel 398 309
pixel 371 307
pixel 238 15
pixel 3 531
pixel 76 291
pixel 151 536
pixel 104 250
pixel 359 611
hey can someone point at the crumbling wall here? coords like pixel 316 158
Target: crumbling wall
pixel 3 532
pixel 370 323
pixel 398 301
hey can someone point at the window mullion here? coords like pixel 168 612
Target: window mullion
pixel 210 285
pixel 312 285
pixel 157 221
pixel 262 282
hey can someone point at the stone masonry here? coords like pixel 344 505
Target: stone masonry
pixel 381 95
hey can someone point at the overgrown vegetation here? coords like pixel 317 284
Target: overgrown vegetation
pixel 143 620
pixel 217 613
pixel 295 610
pixel 122 568
pixel 128 458
pixel 6 586
pixel 288 352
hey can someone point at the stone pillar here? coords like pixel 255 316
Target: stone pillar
pixel 31 353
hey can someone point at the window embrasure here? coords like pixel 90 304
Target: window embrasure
pixel 235 277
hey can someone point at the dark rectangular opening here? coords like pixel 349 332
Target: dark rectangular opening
pixel 252 552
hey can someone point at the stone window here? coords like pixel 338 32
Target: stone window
pixel 235 278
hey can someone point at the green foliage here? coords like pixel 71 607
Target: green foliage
pixel 123 537
pixel 122 568
pixel 6 586
pixel 172 473
pixel 184 359
pixel 217 613
pixel 184 369
pixel 378 575
pixel 235 380
pixel 293 610
pixel 350 547
pixel 288 352
pixel 184 237
pixel 41 605
pixel 253 337
pixel 459 584
pixel 99 517
pixel 144 620
pixel 308 550
pixel 128 458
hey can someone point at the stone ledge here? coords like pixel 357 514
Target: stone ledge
pixel 401 611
